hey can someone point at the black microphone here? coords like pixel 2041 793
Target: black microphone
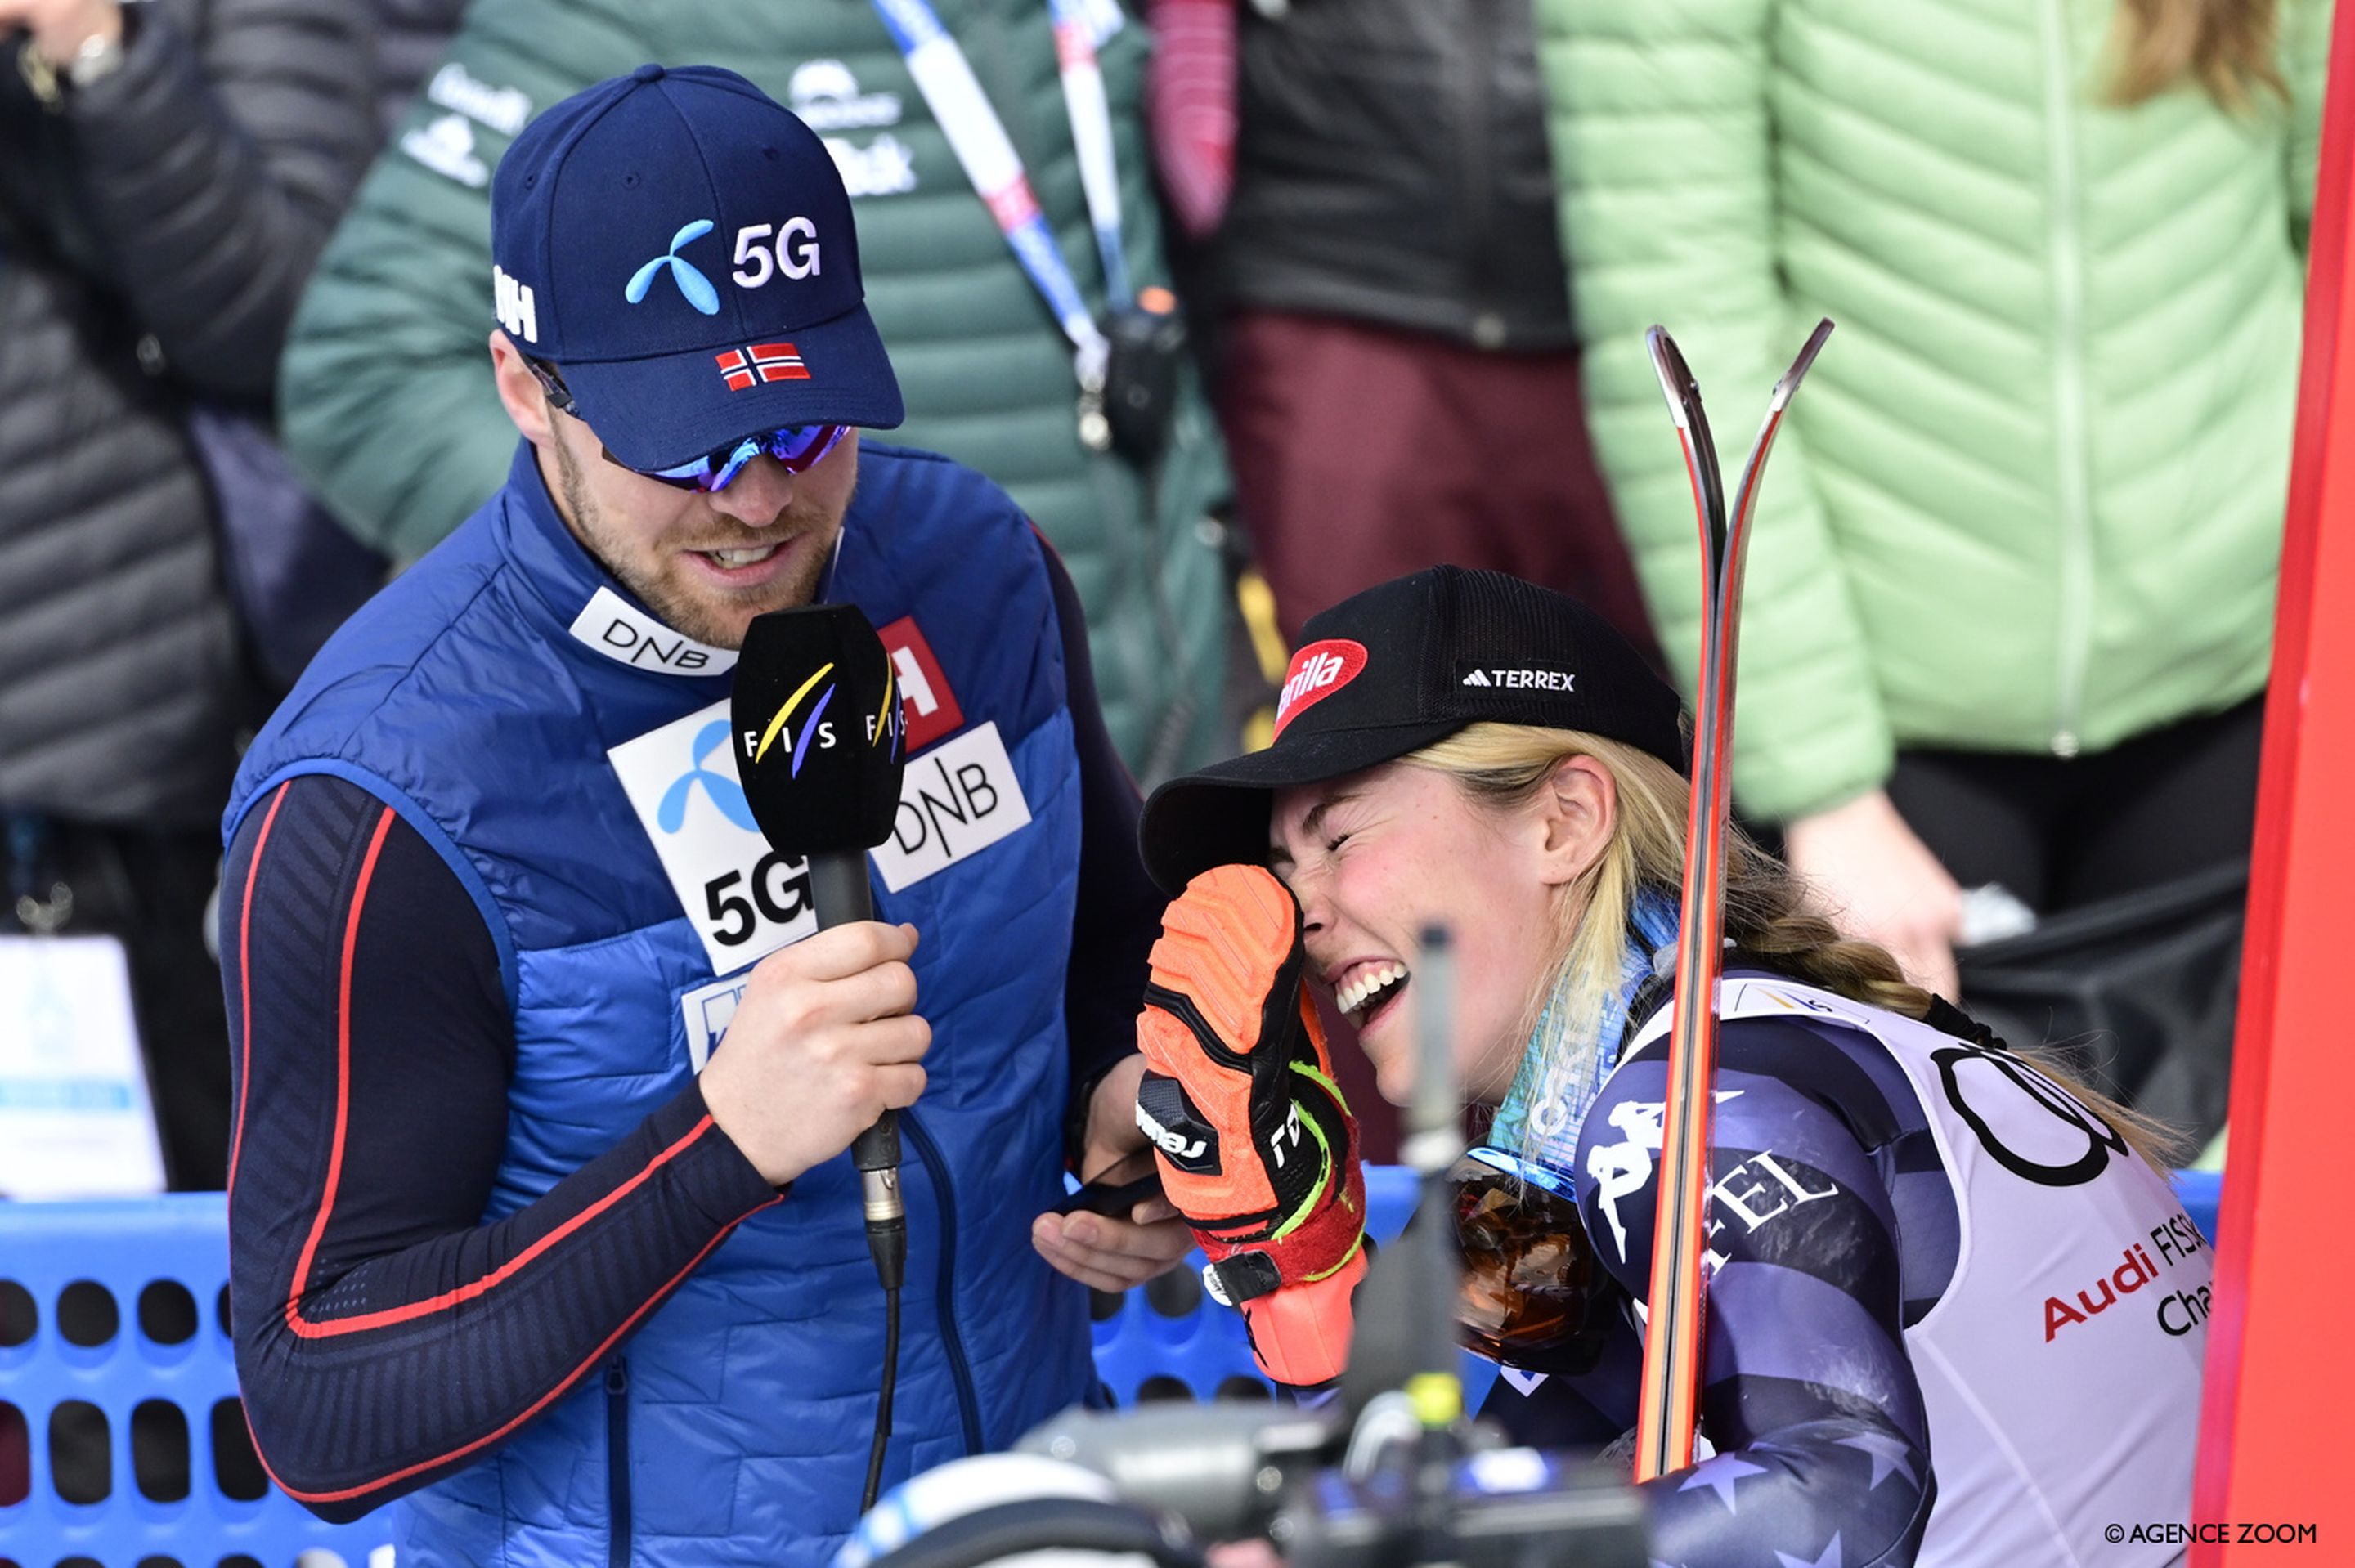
pixel 820 744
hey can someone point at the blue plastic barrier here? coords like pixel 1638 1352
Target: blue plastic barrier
pixel 1167 1340
pixel 162 1263
pixel 162 1267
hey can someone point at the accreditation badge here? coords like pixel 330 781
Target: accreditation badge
pixel 75 1117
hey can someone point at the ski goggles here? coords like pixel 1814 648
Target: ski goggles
pixel 1534 1295
pixel 797 448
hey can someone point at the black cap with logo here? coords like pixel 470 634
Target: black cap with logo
pixel 1393 669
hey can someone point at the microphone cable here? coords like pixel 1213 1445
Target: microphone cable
pixel 877 1155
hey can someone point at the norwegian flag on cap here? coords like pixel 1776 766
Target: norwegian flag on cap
pixel 742 367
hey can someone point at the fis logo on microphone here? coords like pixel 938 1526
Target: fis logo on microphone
pixel 883 725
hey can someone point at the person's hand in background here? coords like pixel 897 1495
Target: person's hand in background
pixel 1103 1251
pixel 59 28
pixel 1877 881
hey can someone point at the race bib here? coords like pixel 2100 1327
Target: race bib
pixel 747 900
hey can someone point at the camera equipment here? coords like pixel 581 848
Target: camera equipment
pixel 1140 390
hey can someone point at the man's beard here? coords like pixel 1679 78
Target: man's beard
pixel 672 602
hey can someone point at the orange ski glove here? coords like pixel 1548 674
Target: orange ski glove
pixel 1256 1144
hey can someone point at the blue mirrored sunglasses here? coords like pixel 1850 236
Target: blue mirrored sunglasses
pixel 798 446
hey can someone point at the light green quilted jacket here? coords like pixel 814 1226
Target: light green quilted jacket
pixel 2030 497
pixel 387 399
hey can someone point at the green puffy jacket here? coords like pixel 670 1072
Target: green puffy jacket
pixel 2031 496
pixel 387 401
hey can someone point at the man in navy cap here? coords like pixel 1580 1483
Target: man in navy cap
pixel 503 1241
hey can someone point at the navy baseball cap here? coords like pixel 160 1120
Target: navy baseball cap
pixel 679 245
pixel 1396 668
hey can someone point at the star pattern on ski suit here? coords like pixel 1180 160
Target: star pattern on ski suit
pixel 1720 1474
pixel 1830 1559
pixel 1888 1453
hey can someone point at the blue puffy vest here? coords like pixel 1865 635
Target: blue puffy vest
pixel 474 697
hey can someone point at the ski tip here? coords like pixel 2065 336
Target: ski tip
pixel 1676 383
pixel 1807 352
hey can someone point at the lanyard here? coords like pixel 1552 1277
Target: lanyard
pixel 978 138
pixel 1083 97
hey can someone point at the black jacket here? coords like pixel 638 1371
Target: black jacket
pixel 411 37
pixel 155 231
pixel 1391 167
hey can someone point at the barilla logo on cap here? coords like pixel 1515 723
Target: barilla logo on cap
pixel 1317 672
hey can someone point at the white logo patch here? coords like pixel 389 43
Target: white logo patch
pixel 503 109
pixel 446 146
pixel 709 1010
pixel 513 303
pixel 955 801
pixel 1521 680
pixel 1620 1169
pixel 826 96
pixel 627 635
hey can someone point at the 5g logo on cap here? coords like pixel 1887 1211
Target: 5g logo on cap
pixel 795 251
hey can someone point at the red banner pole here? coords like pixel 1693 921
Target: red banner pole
pixel 2280 1379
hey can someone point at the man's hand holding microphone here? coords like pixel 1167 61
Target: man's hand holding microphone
pixel 826 1040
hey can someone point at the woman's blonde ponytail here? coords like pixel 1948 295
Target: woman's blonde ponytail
pixel 1768 913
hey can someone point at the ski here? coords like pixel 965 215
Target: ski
pixel 1674 1323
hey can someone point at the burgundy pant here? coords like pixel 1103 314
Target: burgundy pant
pixel 1362 453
